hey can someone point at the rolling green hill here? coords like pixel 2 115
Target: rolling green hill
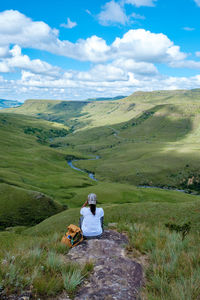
pixel 31 171
pixel 24 207
pixel 88 114
pixel 150 139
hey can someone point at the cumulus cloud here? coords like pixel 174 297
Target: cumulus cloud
pixel 139 3
pixel 189 64
pixel 4 51
pixel 141 68
pixel 17 60
pixel 197 53
pixel 127 64
pixel 69 24
pixel 72 87
pixel 143 45
pixel 112 13
pixel 16 28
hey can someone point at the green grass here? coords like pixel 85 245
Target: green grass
pixel 33 176
pixel 173 266
pixel 24 207
pixel 159 148
pixel 144 139
pixel 147 138
pixel 38 253
pixel 33 263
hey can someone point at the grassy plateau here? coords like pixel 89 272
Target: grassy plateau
pixel 147 147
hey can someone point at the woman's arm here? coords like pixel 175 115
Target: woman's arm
pixel 85 204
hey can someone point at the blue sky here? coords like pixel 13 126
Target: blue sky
pixel 84 48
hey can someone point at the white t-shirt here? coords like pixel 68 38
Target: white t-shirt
pixel 91 225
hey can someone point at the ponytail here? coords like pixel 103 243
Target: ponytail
pixel 93 208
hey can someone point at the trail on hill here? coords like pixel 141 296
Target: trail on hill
pixel 115 276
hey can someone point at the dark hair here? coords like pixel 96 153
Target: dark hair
pixel 93 208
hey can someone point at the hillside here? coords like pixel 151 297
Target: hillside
pixel 22 207
pixel 157 146
pixel 89 114
pixel 106 99
pixel 149 139
pixel 32 172
pixel 132 136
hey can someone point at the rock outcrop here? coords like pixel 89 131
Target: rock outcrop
pixel 115 276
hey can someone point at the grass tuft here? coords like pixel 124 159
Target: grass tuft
pixel 173 269
pixel 71 280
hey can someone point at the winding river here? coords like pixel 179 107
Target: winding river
pixel 90 174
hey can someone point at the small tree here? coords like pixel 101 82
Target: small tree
pixel 183 229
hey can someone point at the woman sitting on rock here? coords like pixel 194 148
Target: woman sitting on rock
pixel 91 221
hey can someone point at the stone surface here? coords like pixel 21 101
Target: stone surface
pixel 115 276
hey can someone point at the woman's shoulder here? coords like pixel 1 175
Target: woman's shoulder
pixel 100 210
pixel 84 210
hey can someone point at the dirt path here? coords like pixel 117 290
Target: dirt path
pixel 115 276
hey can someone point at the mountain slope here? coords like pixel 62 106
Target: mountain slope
pixel 148 138
pixel 88 114
pixel 30 168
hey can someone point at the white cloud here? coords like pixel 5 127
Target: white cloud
pixel 4 51
pixel 189 64
pixel 197 53
pixel 139 3
pixel 17 60
pixel 82 86
pixel 127 64
pixel 112 13
pixel 141 68
pixel 188 28
pixel 69 24
pixel 137 44
pixel 16 28
pixel 143 45
pixel 197 2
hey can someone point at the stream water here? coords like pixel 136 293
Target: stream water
pixel 90 174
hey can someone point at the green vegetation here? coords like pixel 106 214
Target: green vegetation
pixel 170 262
pixel 24 207
pixel 173 265
pixel 41 264
pixel 43 136
pixel 149 139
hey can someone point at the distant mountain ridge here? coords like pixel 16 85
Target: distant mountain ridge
pixel 107 98
pixel 9 103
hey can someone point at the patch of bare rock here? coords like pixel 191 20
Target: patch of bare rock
pixel 115 276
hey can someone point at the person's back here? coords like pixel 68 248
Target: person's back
pixel 91 223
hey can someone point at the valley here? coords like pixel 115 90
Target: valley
pixel 150 139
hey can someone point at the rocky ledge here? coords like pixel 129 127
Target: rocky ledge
pixel 115 276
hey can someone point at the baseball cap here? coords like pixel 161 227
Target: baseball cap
pixel 92 199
